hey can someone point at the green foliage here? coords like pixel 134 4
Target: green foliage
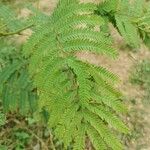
pixel 22 138
pixel 8 20
pixel 77 99
pixel 10 24
pixel 130 18
pixel 16 89
pixel 2 119
pixel 78 96
pixel 3 147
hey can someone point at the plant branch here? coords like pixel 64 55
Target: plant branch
pixel 51 141
pixel 15 32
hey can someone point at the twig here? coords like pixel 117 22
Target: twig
pixel 15 32
pixel 38 4
pixel 38 138
pixel 51 141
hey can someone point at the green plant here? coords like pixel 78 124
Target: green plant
pixel 22 139
pixel 2 119
pixel 16 87
pixel 130 18
pixel 77 99
pixel 3 147
pixel 78 96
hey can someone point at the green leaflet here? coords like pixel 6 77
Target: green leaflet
pixel 128 31
pixel 96 139
pixel 130 18
pixel 2 119
pixel 103 131
pixel 17 92
pixel 80 138
pixel 9 70
pixel 7 16
pixel 106 115
pixel 108 6
pixel 85 45
pixel 10 23
pixel 147 41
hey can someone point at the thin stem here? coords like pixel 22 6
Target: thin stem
pixel 2 26
pixel 15 32
pixel 51 141
pixel 38 4
pixel 146 30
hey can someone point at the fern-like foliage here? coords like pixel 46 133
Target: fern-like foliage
pixel 130 18
pixel 16 89
pixel 78 96
pixel 8 20
pixel 2 119
pixel 10 24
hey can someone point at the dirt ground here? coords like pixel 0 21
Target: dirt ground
pixel 123 67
